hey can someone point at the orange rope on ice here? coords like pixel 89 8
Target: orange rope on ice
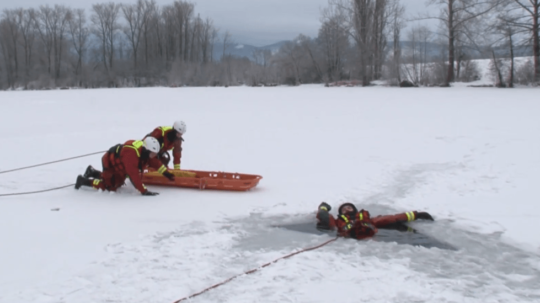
pixel 256 269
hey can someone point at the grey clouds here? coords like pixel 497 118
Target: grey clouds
pixel 256 22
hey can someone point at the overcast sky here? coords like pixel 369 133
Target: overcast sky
pixel 256 22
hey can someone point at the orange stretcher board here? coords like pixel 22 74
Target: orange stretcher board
pixel 204 180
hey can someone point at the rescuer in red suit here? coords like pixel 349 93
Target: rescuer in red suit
pixel 170 138
pixel 351 223
pixel 122 161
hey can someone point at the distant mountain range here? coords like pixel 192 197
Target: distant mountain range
pixel 244 50
pixel 433 50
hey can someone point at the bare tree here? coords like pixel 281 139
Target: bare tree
pixel 184 13
pixel 496 69
pixel 510 38
pixel 135 16
pixel 51 24
pixel 262 60
pixel 455 14
pixel 62 14
pixel 7 49
pixel 293 54
pixel 12 23
pixel 334 42
pixel 228 42
pixel 28 35
pixel 310 48
pixel 206 40
pixel 149 24
pixel 105 20
pixel 396 11
pixel 367 24
pixel 504 33
pixel 362 17
pixel 46 28
pixel 79 38
pixel 525 15
pixel 417 54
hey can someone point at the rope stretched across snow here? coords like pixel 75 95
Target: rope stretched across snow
pixel 43 164
pixel 36 192
pixel 47 163
pixel 256 269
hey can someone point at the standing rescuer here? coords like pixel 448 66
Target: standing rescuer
pixel 170 138
pixel 352 223
pixel 122 161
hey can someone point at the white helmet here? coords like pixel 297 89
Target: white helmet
pixel 180 126
pixel 152 144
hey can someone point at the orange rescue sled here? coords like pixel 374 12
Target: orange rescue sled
pixel 204 180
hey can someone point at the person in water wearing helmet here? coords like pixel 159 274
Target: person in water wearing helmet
pixel 170 138
pixel 351 223
pixel 122 161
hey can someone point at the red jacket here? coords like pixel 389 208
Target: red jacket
pixel 126 160
pixel 361 225
pixel 168 141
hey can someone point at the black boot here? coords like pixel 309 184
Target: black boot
pixel 82 181
pixel 92 173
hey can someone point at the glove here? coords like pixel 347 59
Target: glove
pixel 324 217
pixel 165 158
pixel 424 216
pixel 325 206
pixel 150 193
pixel 168 175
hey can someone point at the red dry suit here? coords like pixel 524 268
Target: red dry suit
pixel 360 225
pixel 124 160
pixel 166 136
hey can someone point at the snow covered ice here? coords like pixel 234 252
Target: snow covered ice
pixel 468 156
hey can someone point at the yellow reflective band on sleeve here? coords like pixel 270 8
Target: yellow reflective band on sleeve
pixel 162 169
pixel 96 182
pixel 361 216
pixel 177 166
pixel 324 208
pixel 410 216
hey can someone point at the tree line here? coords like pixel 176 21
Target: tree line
pixel 369 40
pixel 359 41
pixel 115 45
